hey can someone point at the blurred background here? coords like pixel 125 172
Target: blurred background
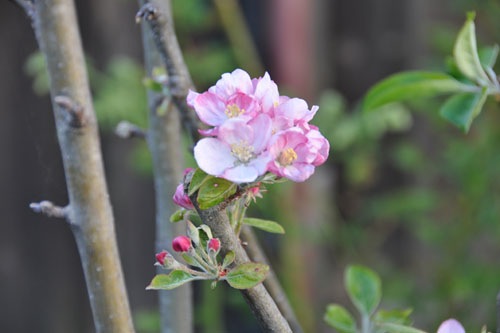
pixel 403 192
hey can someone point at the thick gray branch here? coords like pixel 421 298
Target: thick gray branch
pixel 89 209
pixel 165 143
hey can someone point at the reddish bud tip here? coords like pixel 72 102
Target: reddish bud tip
pixel 160 257
pixel 214 244
pixel 181 244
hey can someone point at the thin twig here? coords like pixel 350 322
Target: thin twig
pixel 258 298
pixel 271 283
pixel 159 18
pixel 127 130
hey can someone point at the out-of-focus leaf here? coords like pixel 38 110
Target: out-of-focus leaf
pixel 266 225
pixel 339 318
pixel 409 85
pixel 488 56
pixel 396 328
pixel 364 288
pixel 466 54
pixel 394 316
pixel 463 108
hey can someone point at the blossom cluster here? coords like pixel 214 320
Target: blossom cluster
pixel 254 130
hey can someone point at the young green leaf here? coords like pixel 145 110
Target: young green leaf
pixel 396 328
pixel 266 225
pixel 364 288
pixel 199 176
pixel 339 318
pixel 463 108
pixel 408 85
pixel 393 316
pixel 215 190
pixel 173 280
pixel 247 275
pixel 228 259
pixel 466 54
pixel 488 56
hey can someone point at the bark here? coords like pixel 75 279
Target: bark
pixel 89 211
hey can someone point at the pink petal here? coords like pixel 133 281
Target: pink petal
pixel 267 92
pixel 451 326
pixel 209 108
pixel 213 156
pixel 231 83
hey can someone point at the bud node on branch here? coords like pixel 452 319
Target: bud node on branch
pixel 48 208
pixel 127 130
pixel 75 111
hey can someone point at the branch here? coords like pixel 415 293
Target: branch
pixel 261 303
pixel 158 15
pixel 271 283
pixel 164 139
pixel 89 210
pixel 49 209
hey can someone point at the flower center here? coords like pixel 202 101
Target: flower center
pixel 233 111
pixel 287 157
pixel 242 151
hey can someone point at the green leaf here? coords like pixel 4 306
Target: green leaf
pixel 228 259
pixel 247 275
pixel 488 56
pixel 173 280
pixel 152 85
pixel 396 328
pixel 364 288
pixel 466 55
pixel 463 108
pixel 393 316
pixel 214 191
pixel 197 180
pixel 189 260
pixel 266 225
pixel 178 215
pixel 340 319
pixel 408 85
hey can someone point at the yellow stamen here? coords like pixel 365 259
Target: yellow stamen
pixel 233 110
pixel 287 157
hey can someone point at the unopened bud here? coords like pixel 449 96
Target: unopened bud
pixel 160 257
pixel 181 244
pixel 181 199
pixel 214 245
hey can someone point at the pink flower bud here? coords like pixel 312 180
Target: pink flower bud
pixel 181 244
pixel 160 257
pixel 181 199
pixel 214 244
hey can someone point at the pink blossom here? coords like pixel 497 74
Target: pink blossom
pixel 181 244
pixel 238 153
pixel 451 326
pixel 292 155
pixel 181 199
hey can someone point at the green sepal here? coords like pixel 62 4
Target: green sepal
pixel 247 275
pixel 266 225
pixel 214 191
pixel 461 109
pixel 339 318
pixel 410 85
pixel 189 260
pixel 364 288
pixel 466 55
pixel 199 176
pixel 173 280
pixel 178 215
